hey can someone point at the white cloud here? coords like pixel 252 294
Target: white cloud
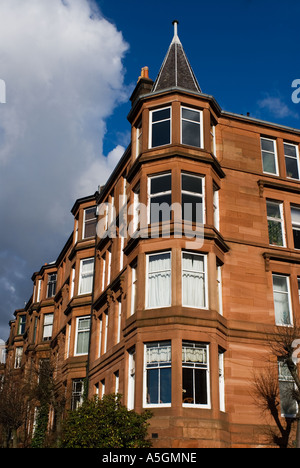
pixel 277 107
pixel 62 66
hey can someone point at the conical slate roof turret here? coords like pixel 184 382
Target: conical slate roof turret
pixel 176 70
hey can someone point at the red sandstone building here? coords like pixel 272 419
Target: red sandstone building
pixel 175 322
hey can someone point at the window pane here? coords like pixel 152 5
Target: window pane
pixel 191 114
pixel 160 184
pixel 192 208
pixel 200 386
pixel 191 133
pixel 187 385
pixel 280 283
pixel 191 183
pixel 292 168
pixel 193 281
pixel 161 133
pixel 296 234
pixel 82 343
pixel 159 280
pixel 165 385
pixel 152 386
pixel 161 114
pixel 90 228
pixel 273 210
pixel 275 233
pixel 267 145
pixel 290 150
pixel 160 208
pixel 269 164
pixel 281 300
pixel 295 212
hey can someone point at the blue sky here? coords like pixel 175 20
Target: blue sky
pixel 245 53
pixel 69 76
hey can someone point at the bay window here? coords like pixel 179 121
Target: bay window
pixel 194 290
pixel 159 280
pixel 158 373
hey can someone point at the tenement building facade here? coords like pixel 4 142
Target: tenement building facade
pixel 177 269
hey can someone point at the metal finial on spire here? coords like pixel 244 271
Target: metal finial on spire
pixel 175 24
pixel 176 38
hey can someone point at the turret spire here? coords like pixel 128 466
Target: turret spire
pixel 176 70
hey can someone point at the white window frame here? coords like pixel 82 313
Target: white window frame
pixel 119 321
pixel 138 136
pixel 153 123
pixel 159 194
pixel 100 335
pixel 131 379
pixel 46 326
pixel 50 283
pixel 18 357
pixel 291 157
pixel 221 381
pixel 271 152
pixel 188 192
pixel 84 221
pixel 72 281
pixel 147 279
pixel 105 332
pixel 295 225
pixel 109 266
pixel 213 138
pixel 133 289
pixel 21 324
pixel 156 405
pixel 216 207
pixel 117 382
pixel 39 290
pixel 277 220
pixel 288 293
pixel 220 289
pixel 205 367
pixel 200 123
pixel 91 260
pixel 205 273
pixel 285 379
pixel 78 319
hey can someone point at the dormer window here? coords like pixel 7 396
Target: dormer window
pixel 191 127
pixel 160 127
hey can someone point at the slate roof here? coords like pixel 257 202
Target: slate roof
pixel 176 70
